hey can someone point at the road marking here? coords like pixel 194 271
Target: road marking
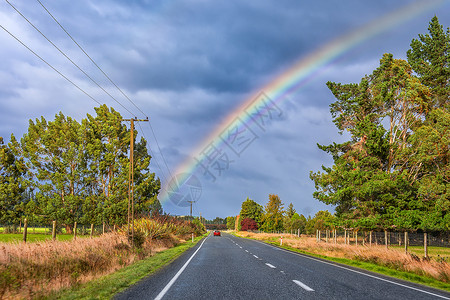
pixel 358 272
pixel 240 247
pixel 246 250
pixel 304 286
pixel 255 256
pixel 172 281
pixel 272 266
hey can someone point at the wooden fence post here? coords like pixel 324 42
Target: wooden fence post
pixel 425 244
pixel 335 236
pixel 54 231
pixel 103 227
pixel 75 230
pixel 406 242
pixel 356 238
pixel 370 238
pixel 25 227
pixel 92 230
pixel 386 238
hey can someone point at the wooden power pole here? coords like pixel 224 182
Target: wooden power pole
pixel 131 179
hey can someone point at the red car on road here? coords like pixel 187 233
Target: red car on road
pixel 216 233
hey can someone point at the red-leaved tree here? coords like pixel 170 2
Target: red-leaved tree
pixel 248 224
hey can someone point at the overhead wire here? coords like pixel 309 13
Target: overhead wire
pixel 87 75
pixel 68 58
pixel 153 156
pixel 81 48
pixel 48 64
pixel 118 88
pixel 104 73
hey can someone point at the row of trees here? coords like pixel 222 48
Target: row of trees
pixel 274 218
pixel 394 171
pixel 68 171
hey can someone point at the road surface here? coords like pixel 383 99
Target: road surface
pixel 229 267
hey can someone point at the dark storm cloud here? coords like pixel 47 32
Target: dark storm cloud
pixel 188 64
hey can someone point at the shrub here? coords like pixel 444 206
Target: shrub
pixel 248 224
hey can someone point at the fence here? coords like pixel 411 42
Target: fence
pixel 55 229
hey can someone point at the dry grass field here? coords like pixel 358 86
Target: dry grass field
pixel 35 269
pixel 393 257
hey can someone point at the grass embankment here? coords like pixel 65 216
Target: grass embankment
pixel 35 270
pixel 392 262
pixel 108 286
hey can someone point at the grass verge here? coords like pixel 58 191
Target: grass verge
pixel 109 285
pixel 408 276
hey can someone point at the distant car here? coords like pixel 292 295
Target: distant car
pixel 216 233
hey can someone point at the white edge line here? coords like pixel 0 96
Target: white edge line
pixel 172 281
pixel 358 272
pixel 304 286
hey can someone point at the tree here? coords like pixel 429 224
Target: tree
pixel 81 170
pixel 54 151
pixel 12 185
pixel 429 56
pixel 273 215
pixel 251 209
pixel 230 223
pixel 248 224
pixel 290 211
pixel 368 182
pixel 323 220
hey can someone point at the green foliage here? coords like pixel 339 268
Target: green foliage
pixel 12 185
pixel 273 215
pixel 251 209
pixel 80 171
pixel 231 221
pixel 429 56
pixel 394 172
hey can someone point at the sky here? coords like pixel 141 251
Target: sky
pixel 190 66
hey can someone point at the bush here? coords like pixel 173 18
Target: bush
pixel 248 224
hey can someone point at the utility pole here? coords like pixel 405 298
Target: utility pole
pixel 191 206
pixel 131 179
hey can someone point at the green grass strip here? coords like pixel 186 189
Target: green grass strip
pixel 107 286
pixel 408 276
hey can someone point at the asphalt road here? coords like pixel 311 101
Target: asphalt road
pixel 229 267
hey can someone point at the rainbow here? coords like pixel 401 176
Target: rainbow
pixel 297 76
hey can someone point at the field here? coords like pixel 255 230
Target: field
pixel 44 267
pixel 436 267
pixel 436 253
pixel 35 237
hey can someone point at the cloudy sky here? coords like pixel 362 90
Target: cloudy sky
pixel 188 65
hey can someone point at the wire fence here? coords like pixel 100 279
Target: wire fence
pixel 437 239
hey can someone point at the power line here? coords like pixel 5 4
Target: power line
pixel 87 75
pixel 48 64
pixel 101 70
pixel 81 48
pixel 153 156
pixel 159 149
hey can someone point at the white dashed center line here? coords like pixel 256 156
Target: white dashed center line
pixel 304 286
pixel 269 265
pixel 246 250
pixel 255 256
